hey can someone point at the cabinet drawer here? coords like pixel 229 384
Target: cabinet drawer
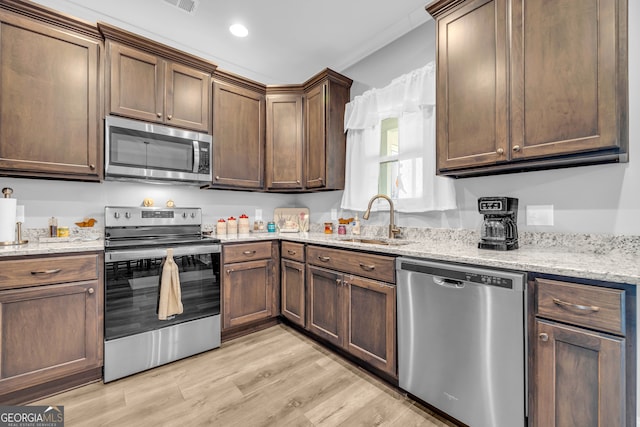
pixel 582 305
pixel 294 251
pixel 19 273
pixel 377 267
pixel 246 251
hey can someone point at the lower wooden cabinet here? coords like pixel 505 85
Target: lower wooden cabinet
pixel 583 347
pixel 354 313
pixel 248 290
pixel 52 334
pixel 293 291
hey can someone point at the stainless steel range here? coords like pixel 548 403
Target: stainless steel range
pixel 136 243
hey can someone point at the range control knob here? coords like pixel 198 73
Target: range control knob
pixel 116 215
pixel 184 215
pixel 127 215
pixel 193 214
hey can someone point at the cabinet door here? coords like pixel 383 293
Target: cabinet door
pixel 238 135
pixel 247 292
pixel 293 292
pixel 579 379
pixel 316 133
pixel 136 83
pixel 564 74
pixel 284 141
pixel 326 306
pixel 187 97
pixel 49 332
pixel 472 127
pixel 371 322
pixel 50 97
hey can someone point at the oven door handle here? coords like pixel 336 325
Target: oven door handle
pixel 136 254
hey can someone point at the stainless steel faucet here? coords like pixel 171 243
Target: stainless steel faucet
pixel 393 230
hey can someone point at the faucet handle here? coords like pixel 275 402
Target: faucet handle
pixel 394 232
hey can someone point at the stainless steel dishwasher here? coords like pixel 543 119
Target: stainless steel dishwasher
pixel 461 340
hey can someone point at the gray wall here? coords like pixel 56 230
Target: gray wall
pixel 587 199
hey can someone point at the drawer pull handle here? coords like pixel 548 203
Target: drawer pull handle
pixel 366 267
pixel 324 258
pixel 54 271
pixel 290 252
pixel 587 308
pixel 91 291
pixel 544 337
pixel 249 252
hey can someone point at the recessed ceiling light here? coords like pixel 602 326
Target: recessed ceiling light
pixel 239 30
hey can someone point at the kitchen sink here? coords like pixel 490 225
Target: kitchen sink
pixel 374 241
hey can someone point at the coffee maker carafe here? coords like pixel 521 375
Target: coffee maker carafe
pixel 499 230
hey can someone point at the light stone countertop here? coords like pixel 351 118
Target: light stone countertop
pixel 563 259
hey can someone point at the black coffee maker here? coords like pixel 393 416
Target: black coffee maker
pixel 499 231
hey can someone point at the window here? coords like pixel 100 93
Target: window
pixel 391 147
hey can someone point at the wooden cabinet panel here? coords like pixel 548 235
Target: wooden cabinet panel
pixel 136 83
pixel 579 377
pixel 188 97
pixel 238 135
pixel 293 291
pixel 19 273
pixel 564 64
pixel 378 267
pixel 472 86
pixel 284 141
pixel 589 306
pixel 49 332
pixel 372 322
pixel 50 97
pixel 247 251
pixel 247 292
pixel 326 305
pixel 316 136
pixel 294 251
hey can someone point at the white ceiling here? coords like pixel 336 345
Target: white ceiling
pixel 288 42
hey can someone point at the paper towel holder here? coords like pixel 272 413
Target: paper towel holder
pixel 7 192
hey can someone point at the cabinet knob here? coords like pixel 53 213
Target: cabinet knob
pixel 169 117
pixel 159 114
pixel 500 151
pixel 544 337
pixel 297 181
pixel 90 291
pixel 290 252
pixel 217 177
pixel 339 282
pixel 229 271
pixel 366 267
pixel 92 166
pixel 324 258
pixel 516 148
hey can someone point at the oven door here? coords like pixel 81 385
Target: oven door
pixel 133 282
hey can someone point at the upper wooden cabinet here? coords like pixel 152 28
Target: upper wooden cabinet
pixel 285 143
pixel 306 142
pixel 238 132
pixel 154 83
pixel 326 96
pixel 530 85
pixel 50 94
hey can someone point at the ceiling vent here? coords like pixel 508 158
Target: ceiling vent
pixel 188 6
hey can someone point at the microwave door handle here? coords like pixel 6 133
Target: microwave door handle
pixel 196 156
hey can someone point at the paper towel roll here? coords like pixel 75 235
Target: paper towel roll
pixel 8 220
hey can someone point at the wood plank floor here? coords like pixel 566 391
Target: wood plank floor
pixel 275 377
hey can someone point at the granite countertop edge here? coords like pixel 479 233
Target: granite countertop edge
pixel 560 261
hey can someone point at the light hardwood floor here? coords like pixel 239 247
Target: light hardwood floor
pixel 275 377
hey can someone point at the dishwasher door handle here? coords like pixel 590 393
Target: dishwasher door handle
pixel 448 283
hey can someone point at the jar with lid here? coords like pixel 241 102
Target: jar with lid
pixel 271 227
pixel 221 227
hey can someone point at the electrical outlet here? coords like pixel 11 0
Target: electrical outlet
pixel 539 214
pixel 258 215
pixel 334 214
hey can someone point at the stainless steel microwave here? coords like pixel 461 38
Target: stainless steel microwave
pixel 151 152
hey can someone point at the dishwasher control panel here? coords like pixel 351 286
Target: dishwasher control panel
pixel 492 278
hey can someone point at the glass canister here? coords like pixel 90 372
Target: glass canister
pixel 342 229
pixel 328 228
pixel 221 227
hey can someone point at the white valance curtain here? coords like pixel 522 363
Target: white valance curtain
pixel 411 99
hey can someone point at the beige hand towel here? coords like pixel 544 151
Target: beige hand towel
pixel 170 301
